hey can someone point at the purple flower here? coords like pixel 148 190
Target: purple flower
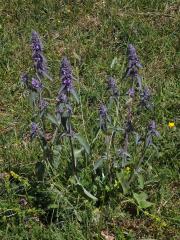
pixel 131 92
pixel 103 111
pixel 133 65
pixel 43 105
pixel 63 113
pixel 152 129
pixel 151 132
pixel 34 129
pixel 24 78
pixel 40 62
pixel 112 86
pixel 145 98
pixel 69 109
pixel 133 60
pixel 62 98
pixel 36 42
pixel 111 83
pixel 66 74
pixel 103 117
pixel 36 84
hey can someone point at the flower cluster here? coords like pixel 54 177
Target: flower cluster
pixel 40 62
pixel 111 85
pixel 133 66
pixel 66 75
pixel 34 129
pixel 152 129
pixel 151 132
pixel 43 105
pixel 32 84
pixel 103 114
pixel 25 78
pixel 63 107
pixel 131 92
pixel 145 98
pixel 36 84
pixel 133 62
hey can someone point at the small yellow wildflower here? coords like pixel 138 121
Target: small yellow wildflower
pixel 128 170
pixel 171 124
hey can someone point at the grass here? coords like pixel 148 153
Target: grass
pixel 91 34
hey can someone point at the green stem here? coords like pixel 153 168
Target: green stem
pixel 72 155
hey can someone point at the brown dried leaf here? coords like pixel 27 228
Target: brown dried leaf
pixel 107 235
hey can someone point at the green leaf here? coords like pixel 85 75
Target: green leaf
pixel 75 95
pixel 145 204
pixel 98 163
pixel 141 181
pixel 124 186
pixel 114 61
pixel 77 152
pixel 53 206
pixel 83 142
pixel 52 119
pixel 85 192
pixel 141 200
pixel 32 97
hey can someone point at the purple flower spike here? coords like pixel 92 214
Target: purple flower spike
pixel 40 62
pixel 36 42
pixel 103 111
pixel 62 98
pixel 112 86
pixel 103 114
pixel 152 129
pixel 24 78
pixel 152 132
pixel 66 74
pixel 131 92
pixel 34 130
pixel 36 84
pixel 133 65
pixel 43 105
pixel 145 100
pixel 111 83
pixel 132 57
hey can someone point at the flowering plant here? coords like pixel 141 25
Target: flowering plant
pixel 123 158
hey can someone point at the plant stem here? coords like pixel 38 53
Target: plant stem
pixel 72 155
pixel 139 163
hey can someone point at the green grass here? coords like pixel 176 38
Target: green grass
pixel 91 34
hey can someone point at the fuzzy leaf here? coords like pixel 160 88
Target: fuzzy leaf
pixel 75 95
pixel 98 164
pixel 83 142
pixel 32 97
pixel 52 119
pixel 77 152
pixel 141 200
pixel 141 181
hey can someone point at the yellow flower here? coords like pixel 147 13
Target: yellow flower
pixel 171 124
pixel 127 170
